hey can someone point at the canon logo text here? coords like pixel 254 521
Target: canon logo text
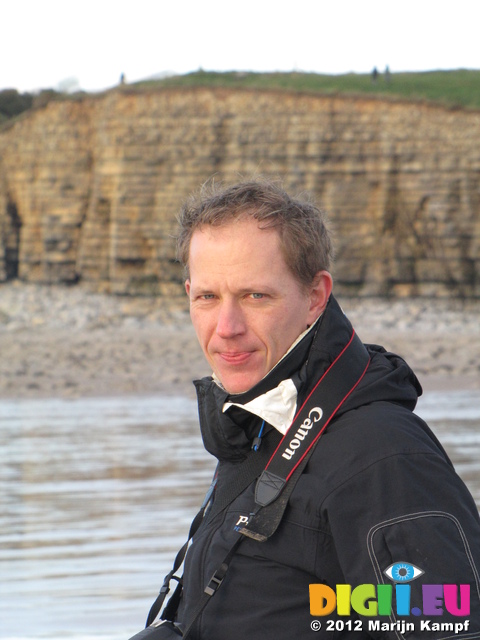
pixel 314 416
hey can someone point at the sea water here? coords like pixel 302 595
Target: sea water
pixel 97 495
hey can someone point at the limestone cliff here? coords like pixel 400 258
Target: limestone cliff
pixel 89 187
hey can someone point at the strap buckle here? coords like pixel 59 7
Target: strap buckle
pixel 216 580
pixel 166 583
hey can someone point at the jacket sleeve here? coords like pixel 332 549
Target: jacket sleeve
pixel 410 513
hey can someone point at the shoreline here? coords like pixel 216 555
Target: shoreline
pixel 63 342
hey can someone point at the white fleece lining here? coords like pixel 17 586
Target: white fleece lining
pixel 277 406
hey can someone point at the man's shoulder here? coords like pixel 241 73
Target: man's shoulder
pixel 372 433
pixel 369 452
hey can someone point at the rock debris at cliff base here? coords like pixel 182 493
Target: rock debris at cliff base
pixel 65 341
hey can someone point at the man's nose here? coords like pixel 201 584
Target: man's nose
pixel 230 320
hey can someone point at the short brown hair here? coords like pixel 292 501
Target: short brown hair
pixel 305 239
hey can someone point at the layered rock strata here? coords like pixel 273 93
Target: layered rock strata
pixel 89 187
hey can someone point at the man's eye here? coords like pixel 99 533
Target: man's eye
pixel 257 296
pixel 207 296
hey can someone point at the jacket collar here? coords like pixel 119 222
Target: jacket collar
pixel 228 434
pixel 278 405
pixel 225 420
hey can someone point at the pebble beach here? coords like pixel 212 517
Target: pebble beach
pixel 68 342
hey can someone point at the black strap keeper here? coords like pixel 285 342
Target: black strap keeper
pixel 216 580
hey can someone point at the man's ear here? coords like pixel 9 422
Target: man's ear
pixel 319 294
pixel 187 287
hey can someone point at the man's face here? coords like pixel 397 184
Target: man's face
pixel 246 306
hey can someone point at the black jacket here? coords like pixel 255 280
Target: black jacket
pixel 378 490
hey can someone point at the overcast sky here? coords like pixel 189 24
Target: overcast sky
pixel 55 43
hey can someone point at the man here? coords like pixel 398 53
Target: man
pixel 378 502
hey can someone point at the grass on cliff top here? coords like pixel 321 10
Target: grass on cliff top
pixel 459 88
pixel 454 89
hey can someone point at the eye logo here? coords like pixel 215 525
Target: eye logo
pixel 403 572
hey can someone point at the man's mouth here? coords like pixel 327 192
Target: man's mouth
pixel 235 357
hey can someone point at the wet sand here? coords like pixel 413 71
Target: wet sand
pixel 67 342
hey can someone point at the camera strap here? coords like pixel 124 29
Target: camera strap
pixel 291 456
pixel 277 467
